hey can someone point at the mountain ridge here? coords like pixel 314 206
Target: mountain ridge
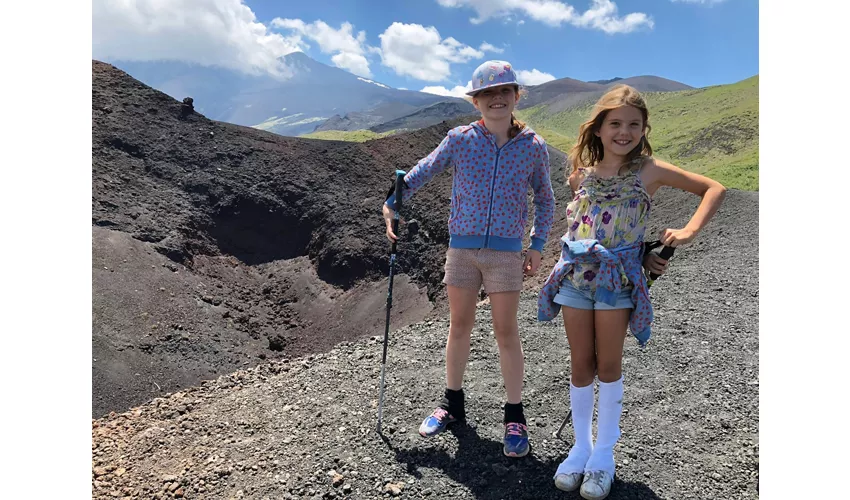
pixel 318 97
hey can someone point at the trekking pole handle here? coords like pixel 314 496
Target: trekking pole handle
pixel 666 253
pixel 399 187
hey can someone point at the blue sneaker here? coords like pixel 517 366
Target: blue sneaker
pixel 516 440
pixel 436 423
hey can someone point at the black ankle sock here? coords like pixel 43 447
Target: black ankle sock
pixel 513 413
pixel 453 403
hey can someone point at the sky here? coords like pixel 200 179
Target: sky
pixel 434 45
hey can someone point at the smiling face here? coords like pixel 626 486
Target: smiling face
pixel 621 130
pixel 496 103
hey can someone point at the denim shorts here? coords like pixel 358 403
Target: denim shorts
pixel 570 296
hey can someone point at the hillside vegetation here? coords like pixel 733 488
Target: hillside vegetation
pixel 711 131
pixel 347 135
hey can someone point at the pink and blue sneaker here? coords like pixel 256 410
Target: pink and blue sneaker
pixel 516 440
pixel 436 422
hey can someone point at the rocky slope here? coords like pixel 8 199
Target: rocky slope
pixel 305 427
pixel 216 245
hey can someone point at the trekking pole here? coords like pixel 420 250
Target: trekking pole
pixel 399 185
pixel 665 254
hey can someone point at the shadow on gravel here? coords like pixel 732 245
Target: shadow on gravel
pixel 489 475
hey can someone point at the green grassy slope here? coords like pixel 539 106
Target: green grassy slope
pixel 350 135
pixel 712 131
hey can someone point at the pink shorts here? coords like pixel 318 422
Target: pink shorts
pixel 499 271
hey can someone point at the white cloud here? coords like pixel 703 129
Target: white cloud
pixel 533 77
pixel 487 47
pixel 355 63
pixel 207 32
pixel 349 50
pixel 420 52
pixel 602 15
pixel 458 91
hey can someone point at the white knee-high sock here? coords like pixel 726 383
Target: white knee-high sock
pixel 607 426
pixel 581 403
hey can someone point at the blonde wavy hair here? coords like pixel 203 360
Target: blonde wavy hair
pixel 588 150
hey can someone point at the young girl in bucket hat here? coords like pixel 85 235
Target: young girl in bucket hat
pixel 496 160
pixel 598 279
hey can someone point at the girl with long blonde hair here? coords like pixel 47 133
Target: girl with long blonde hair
pixel 598 279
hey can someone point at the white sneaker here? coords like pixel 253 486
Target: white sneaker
pixel 568 482
pixel 596 485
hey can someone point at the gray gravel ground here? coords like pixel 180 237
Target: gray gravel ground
pixel 305 427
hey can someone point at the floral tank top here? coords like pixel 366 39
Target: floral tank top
pixel 613 211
